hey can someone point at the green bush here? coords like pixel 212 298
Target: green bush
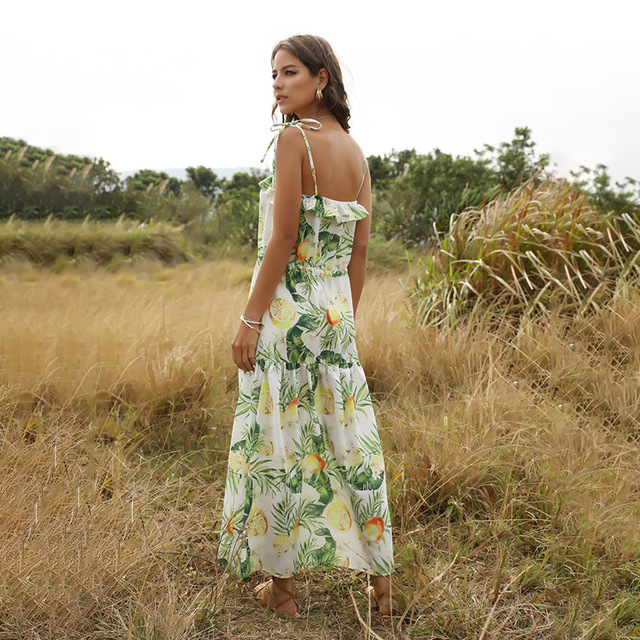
pixel 55 242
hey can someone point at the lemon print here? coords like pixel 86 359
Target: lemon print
pixel 313 462
pixel 257 523
pixel 374 528
pixel 376 462
pixel 349 407
pixel 265 402
pixel 341 303
pixel 235 460
pixel 338 516
pixel 282 312
pixel 281 544
pixel 295 531
pixel 333 315
pixel 266 449
pixel 289 458
pixel 324 401
pixel 354 456
pixel 230 524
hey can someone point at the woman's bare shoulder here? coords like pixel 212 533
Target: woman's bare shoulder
pixel 290 140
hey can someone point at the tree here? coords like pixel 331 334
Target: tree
pixel 427 190
pixel 596 185
pixel 147 179
pixel 385 169
pixel 516 161
pixel 206 181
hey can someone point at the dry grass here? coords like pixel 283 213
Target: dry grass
pixel 541 246
pixel 513 462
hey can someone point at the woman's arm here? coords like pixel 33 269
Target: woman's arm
pixel 290 152
pixel 358 263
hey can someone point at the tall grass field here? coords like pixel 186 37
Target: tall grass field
pixel 511 440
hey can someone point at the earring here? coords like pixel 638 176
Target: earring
pixel 319 95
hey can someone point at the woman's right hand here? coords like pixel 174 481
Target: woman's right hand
pixel 243 347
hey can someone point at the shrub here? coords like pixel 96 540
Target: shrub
pixel 540 246
pixel 55 242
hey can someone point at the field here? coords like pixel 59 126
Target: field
pixel 512 452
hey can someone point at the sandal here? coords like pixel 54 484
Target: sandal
pixel 375 595
pixel 263 593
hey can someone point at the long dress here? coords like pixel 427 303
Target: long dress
pixel 306 482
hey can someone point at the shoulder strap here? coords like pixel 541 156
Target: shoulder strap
pixel 313 169
pixel 301 124
pixel 364 174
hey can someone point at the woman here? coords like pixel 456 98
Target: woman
pixel 305 482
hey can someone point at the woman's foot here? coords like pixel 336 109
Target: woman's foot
pixel 380 593
pixel 276 595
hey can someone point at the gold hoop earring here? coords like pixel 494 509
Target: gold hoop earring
pixel 319 95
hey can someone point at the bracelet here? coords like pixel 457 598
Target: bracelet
pixel 246 320
pixel 249 325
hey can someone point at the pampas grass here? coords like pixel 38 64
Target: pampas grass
pixel 540 246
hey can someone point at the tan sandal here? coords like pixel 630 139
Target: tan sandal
pixel 375 595
pixel 263 593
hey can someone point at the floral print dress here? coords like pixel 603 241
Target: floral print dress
pixel 306 483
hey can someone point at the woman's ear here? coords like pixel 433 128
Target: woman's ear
pixel 323 77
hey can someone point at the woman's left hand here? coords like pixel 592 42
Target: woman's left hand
pixel 243 348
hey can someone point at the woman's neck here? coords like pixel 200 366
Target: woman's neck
pixel 314 113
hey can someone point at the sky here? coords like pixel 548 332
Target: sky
pixel 168 84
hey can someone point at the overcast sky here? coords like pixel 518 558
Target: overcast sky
pixel 164 84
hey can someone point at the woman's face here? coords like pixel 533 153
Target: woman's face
pixel 294 88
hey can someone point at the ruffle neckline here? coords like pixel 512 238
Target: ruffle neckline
pixel 323 207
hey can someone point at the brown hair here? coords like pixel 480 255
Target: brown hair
pixel 316 53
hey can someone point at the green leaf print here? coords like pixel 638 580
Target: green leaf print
pixel 305 230
pixel 247 403
pixel 285 516
pixel 294 482
pixel 369 445
pixel 293 278
pixel 332 357
pixel 297 351
pixel 233 480
pixel 311 511
pixel 358 212
pixel 312 320
pixel 253 440
pixel 364 480
pixel 320 481
pixel 263 474
pixel 376 506
pixel 382 568
pixel 326 555
pixel 268 355
pixel 330 241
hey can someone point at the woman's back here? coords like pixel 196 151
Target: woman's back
pixel 338 161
